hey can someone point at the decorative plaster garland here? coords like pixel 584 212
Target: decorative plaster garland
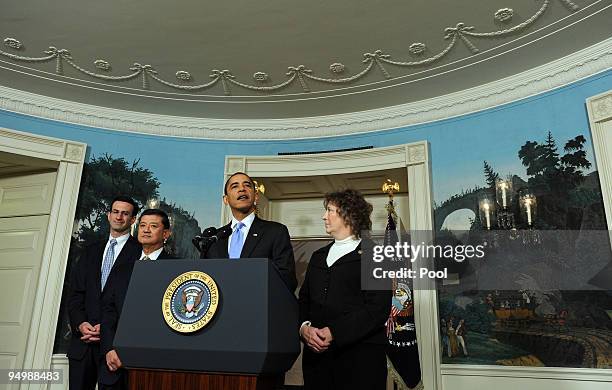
pixel 567 70
pixel 299 73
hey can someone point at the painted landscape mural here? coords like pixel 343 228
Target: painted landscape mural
pixel 530 326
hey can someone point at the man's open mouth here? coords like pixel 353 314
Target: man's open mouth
pixel 243 197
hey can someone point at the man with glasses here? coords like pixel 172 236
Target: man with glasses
pixel 88 279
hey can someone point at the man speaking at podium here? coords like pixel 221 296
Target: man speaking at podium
pixel 251 236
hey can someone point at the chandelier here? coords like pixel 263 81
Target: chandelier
pixel 509 209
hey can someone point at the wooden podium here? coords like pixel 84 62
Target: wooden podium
pixel 249 344
pixel 141 379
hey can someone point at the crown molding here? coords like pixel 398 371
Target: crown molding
pixel 579 65
pixel 371 62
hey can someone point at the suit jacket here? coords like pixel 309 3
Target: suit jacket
pixel 112 299
pixel 266 239
pixel 332 297
pixel 85 289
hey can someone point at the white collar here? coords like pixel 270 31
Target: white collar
pixel 153 255
pixel 247 221
pixel 120 239
pixel 348 240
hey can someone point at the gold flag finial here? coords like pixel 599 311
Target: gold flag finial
pixel 259 187
pixel 389 187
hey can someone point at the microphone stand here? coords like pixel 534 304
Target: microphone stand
pixel 205 240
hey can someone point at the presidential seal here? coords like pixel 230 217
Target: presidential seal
pixel 190 301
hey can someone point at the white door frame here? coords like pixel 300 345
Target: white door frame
pixel 70 156
pixel 414 157
pixel 600 119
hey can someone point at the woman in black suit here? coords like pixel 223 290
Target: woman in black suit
pixel 343 326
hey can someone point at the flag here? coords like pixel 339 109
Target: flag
pixel 402 349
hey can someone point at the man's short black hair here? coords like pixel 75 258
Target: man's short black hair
pixel 158 212
pixel 126 199
pixel 230 178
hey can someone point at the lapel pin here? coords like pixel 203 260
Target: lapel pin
pixel 254 234
pixel 359 251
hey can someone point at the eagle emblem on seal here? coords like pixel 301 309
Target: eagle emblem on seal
pixel 192 296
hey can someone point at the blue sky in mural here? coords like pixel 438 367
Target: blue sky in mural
pixel 191 171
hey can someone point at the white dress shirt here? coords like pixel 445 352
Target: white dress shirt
pixel 153 255
pixel 248 221
pixel 120 243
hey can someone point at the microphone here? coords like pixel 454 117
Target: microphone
pixel 209 232
pixel 222 232
pixel 209 236
pixel 214 234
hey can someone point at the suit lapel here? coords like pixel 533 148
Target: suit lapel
pixel 255 234
pixel 319 258
pixel 223 243
pixel 350 257
pixel 99 256
pixel 165 255
pixel 128 252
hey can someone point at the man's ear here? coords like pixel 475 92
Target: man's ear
pixel 225 199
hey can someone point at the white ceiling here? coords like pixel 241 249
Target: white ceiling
pixel 369 183
pixel 13 164
pixel 274 59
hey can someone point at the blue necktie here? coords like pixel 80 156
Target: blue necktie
pixel 109 259
pixel 236 242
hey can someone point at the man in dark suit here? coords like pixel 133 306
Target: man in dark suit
pixel 88 279
pixel 251 236
pixel 153 231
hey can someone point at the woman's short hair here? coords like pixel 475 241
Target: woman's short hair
pixel 352 208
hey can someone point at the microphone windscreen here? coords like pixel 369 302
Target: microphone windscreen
pixel 209 232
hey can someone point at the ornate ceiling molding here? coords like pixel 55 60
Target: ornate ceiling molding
pixel 375 61
pixel 579 65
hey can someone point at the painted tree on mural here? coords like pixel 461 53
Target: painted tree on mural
pixel 557 181
pixel 491 176
pixel 104 178
pixel 184 228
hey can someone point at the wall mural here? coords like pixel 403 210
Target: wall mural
pixel 541 143
pixel 530 326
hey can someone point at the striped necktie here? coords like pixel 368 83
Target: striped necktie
pixel 109 259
